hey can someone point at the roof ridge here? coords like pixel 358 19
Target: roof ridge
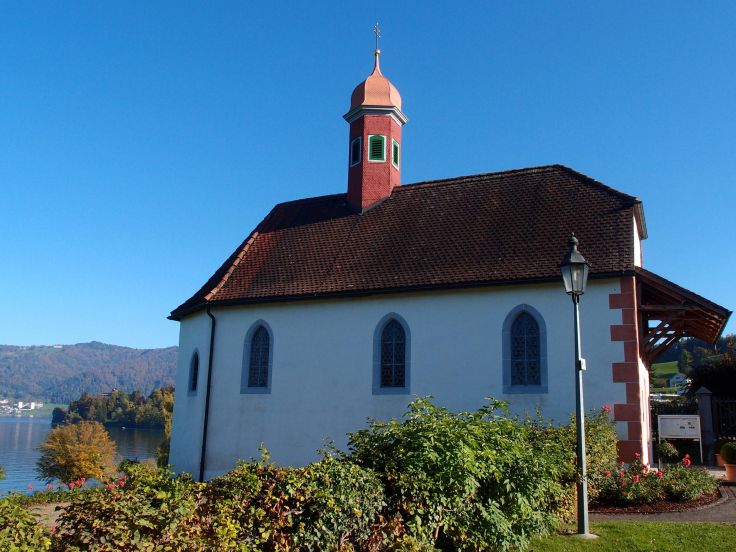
pixel 600 184
pixel 478 176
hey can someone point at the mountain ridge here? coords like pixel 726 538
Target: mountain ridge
pixel 60 373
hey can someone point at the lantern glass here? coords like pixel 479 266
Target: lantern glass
pixel 574 270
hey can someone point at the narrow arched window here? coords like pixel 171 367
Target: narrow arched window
pixel 393 355
pixel 525 351
pixel 194 372
pixel 260 348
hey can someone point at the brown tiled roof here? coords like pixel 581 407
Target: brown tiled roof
pixel 507 227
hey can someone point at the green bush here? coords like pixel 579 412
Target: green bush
pixel 600 453
pixel 718 445
pixel 728 452
pixel 469 480
pixel 327 505
pixel 146 510
pixel 19 529
pixel 667 450
pixel 687 483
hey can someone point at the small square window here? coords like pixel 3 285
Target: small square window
pixel 376 148
pixel 355 151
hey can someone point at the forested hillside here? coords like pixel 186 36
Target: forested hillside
pixel 61 373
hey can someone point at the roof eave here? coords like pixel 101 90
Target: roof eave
pixel 178 314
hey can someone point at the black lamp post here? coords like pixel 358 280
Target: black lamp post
pixel 574 271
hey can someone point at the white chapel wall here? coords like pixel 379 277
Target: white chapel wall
pixel 323 367
pixel 186 434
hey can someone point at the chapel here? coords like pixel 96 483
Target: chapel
pixel 343 307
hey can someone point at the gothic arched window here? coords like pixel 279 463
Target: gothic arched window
pixel 257 360
pixel 194 372
pixel 391 356
pixel 524 351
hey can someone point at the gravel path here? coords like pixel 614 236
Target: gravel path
pixel 47 513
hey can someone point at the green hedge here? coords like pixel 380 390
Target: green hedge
pixel 468 480
pixel 433 480
pixel 19 529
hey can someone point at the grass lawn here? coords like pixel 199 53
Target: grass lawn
pixel 645 536
pixel 662 372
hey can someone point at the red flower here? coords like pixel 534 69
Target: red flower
pixel 30 486
pixel 621 474
pixel 660 474
pixel 686 461
pixel 635 478
pixel 606 408
pixel 623 483
pixel 121 483
pixel 608 472
pixel 71 486
pixel 49 486
pixel 637 455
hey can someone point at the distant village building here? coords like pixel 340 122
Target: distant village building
pixel 679 380
pixel 346 306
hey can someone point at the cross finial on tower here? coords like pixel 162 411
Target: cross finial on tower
pixel 377 32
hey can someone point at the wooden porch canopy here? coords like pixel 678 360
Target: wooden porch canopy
pixel 668 312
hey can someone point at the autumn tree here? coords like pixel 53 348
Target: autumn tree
pixel 74 451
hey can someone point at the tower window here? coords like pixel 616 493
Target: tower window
pixel 395 153
pixel 355 151
pixel 376 148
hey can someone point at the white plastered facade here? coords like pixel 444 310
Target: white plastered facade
pixel 322 367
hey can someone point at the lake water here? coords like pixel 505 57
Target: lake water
pixel 20 437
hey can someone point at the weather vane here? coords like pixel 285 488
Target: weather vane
pixel 377 31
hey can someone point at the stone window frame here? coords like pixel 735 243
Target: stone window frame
pixel 245 388
pixel 506 352
pixel 377 335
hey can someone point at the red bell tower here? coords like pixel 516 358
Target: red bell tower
pixel 374 155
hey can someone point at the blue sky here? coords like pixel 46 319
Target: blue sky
pixel 142 141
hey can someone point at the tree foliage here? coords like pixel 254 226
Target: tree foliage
pixel 121 408
pixel 701 351
pixel 718 375
pixel 76 451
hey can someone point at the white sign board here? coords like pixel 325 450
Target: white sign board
pixel 677 426
pixel 680 426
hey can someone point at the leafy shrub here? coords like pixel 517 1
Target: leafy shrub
pixel 149 509
pixel 50 494
pixel 469 480
pixel 683 482
pixel 19 529
pixel 667 450
pixel 718 445
pixel 76 451
pixel 327 505
pixel 600 453
pixel 2 473
pixel 637 484
pixel 728 452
